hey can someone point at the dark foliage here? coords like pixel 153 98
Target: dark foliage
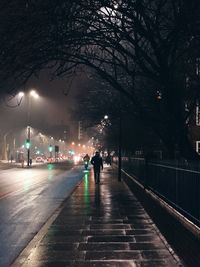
pixel 148 50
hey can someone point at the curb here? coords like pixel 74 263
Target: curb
pixel 184 240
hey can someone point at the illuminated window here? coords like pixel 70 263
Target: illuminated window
pixel 198 147
pixel 198 66
pixel 197 115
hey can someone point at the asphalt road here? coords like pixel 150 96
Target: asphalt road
pixel 28 197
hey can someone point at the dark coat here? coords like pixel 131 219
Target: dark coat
pixel 97 162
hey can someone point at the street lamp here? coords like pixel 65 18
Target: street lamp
pixel 120 148
pixel 5 155
pixel 32 94
pixel 28 144
pixel 21 94
pixel 119 143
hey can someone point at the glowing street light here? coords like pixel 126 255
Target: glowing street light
pixel 28 144
pixel 21 94
pixel 105 117
pixel 32 94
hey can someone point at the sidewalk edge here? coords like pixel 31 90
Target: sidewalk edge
pixel 166 243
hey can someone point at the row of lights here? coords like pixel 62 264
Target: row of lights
pixel 83 146
pixel 33 93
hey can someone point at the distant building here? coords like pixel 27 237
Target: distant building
pixel 61 132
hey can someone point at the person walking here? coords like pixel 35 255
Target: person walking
pixel 108 160
pixel 86 160
pixel 97 163
pixel 22 162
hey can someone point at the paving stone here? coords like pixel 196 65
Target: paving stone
pixel 58 247
pixel 157 263
pixel 142 226
pixel 72 220
pixel 47 255
pixel 110 220
pixel 147 238
pixel 66 232
pixel 141 231
pixel 103 232
pixel 147 246
pixel 108 216
pixel 64 239
pixel 156 254
pixel 103 246
pixel 111 255
pixel 105 221
pixel 100 263
pixel 110 226
pixel 110 238
pixel 72 226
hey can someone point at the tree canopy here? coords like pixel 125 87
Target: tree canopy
pixel 148 50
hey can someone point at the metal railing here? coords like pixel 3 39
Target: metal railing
pixel 177 182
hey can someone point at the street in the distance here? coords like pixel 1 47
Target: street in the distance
pixel 28 197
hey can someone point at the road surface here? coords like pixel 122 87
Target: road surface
pixel 28 197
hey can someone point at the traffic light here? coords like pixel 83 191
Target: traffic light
pixel 28 143
pixel 50 148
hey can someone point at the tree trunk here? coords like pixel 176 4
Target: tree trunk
pixel 186 149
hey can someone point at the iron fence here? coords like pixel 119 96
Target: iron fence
pixel 177 182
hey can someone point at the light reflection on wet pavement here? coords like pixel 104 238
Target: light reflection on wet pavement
pixel 35 194
pixel 104 226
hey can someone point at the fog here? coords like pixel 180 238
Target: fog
pixel 53 107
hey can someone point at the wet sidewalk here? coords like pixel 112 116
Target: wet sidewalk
pixel 103 226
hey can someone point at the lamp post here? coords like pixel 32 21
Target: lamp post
pixel 5 156
pixel 106 117
pixel 28 145
pixel 32 94
pixel 120 149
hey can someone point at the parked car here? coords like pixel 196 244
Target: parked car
pixel 39 159
pixel 49 159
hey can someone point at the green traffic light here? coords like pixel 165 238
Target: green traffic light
pixel 28 144
pixel 50 148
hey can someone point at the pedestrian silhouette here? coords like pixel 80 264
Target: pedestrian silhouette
pixel 97 163
pixel 86 160
pixel 22 162
pixel 108 160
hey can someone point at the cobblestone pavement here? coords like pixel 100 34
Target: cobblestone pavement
pixel 103 226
